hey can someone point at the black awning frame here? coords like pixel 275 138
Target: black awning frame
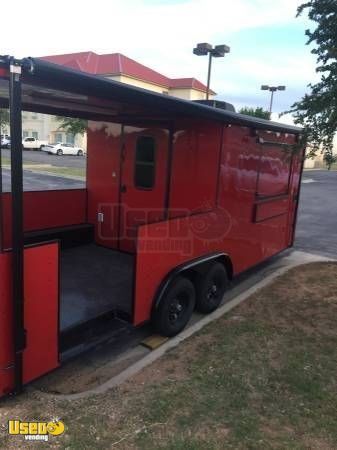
pixel 41 73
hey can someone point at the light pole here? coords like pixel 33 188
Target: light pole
pixel 218 51
pixel 272 89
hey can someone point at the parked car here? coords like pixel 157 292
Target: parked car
pixel 63 149
pixel 31 143
pixel 5 141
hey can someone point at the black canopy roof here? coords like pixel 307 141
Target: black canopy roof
pixel 43 80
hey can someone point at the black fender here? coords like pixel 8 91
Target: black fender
pixel 164 285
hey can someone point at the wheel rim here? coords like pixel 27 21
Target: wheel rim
pixel 177 308
pixel 214 290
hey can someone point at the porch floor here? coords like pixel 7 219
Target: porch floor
pixel 94 280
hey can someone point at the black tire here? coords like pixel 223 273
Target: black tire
pixel 59 152
pixel 175 308
pixel 80 153
pixel 211 288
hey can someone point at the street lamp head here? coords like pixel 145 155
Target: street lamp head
pixel 265 87
pixel 199 52
pixel 202 49
pixel 281 88
pixel 220 50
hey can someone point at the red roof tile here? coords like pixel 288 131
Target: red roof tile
pixel 118 64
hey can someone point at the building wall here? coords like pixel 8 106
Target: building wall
pixel 139 83
pixel 189 94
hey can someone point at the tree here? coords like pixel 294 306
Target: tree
pixel 329 159
pixel 4 120
pixel 256 112
pixel 73 126
pixel 317 110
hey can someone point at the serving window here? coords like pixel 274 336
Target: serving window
pixel 274 172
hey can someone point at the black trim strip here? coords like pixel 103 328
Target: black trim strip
pixel 297 200
pixel 17 222
pixel 169 162
pixel 262 141
pixel 269 217
pixel 271 198
pixel 220 158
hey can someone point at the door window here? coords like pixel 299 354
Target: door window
pixel 145 163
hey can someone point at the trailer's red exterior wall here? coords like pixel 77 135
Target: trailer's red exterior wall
pixel 195 167
pixel 103 180
pixel 253 219
pixel 44 209
pixel 41 314
pixel 115 204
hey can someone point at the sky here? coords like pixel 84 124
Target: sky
pixel 267 42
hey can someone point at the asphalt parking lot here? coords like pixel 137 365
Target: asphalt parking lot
pixel 37 182
pixel 38 157
pixel 316 230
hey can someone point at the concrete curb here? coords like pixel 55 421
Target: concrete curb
pixel 296 258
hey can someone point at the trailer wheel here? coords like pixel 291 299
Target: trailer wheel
pixel 211 288
pixel 175 308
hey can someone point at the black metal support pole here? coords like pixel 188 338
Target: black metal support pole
pixel 209 74
pixel 17 220
pixel 271 102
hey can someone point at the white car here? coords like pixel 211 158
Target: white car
pixel 31 143
pixel 63 149
pixel 5 141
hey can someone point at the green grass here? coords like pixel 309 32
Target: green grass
pixel 5 160
pixel 261 377
pixel 68 171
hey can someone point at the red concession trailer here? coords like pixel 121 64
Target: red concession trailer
pixel 180 197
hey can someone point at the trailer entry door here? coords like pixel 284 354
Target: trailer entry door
pixel 143 181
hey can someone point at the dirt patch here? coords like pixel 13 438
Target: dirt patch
pixel 87 372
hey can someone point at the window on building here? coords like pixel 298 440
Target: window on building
pixel 25 134
pixel 58 138
pixel 35 134
pixel 145 162
pixel 70 138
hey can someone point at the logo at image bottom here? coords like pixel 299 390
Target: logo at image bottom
pixel 36 431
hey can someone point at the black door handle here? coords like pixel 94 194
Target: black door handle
pixel 123 188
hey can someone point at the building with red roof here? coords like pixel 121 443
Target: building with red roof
pixel 117 67
pixel 126 70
